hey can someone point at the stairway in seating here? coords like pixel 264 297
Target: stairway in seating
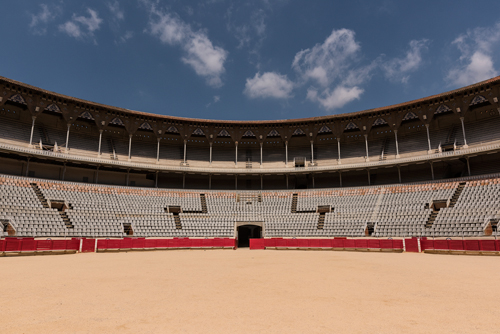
pixel 321 221
pixel 294 203
pixel 39 194
pixel 432 218
pixel 203 200
pixel 66 220
pixel 177 220
pixel 457 193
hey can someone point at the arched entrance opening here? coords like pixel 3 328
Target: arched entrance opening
pixel 247 232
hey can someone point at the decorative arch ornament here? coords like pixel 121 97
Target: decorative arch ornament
pixel 410 115
pixel 17 98
pixel 172 129
pixel 478 99
pixel 379 122
pixel 117 121
pixel 198 132
pixel 442 109
pixel 273 133
pixel 146 126
pixel 325 129
pixel 351 126
pixel 53 107
pixel 223 133
pixel 298 132
pixel 86 115
pixel 249 133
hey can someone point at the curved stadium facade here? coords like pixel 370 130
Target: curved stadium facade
pixel 81 169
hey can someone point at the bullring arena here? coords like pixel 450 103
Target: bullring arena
pixel 382 220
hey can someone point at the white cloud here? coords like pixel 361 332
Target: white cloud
pixel 45 15
pixel 475 63
pixel 71 28
pixel 216 99
pixel 398 69
pixel 115 9
pixel 124 38
pixel 269 84
pixel 81 26
pixel 327 62
pixel 332 66
pixel 206 59
pixel 246 28
pixel 336 98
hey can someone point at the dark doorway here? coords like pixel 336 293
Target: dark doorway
pixel 247 232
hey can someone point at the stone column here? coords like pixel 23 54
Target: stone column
pixel 158 150
pixel 366 144
pixel 397 145
pixel 129 147
pixel 286 153
pixel 428 139
pixel 261 154
pixel 32 129
pixel 67 138
pixel 463 131
pixel 236 154
pixel 211 144
pixel 100 142
pixel 338 145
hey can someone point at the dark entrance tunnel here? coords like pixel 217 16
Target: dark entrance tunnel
pixel 247 232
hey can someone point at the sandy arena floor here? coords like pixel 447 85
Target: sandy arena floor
pixel 243 291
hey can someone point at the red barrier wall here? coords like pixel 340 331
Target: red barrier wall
pixel 411 245
pixel 338 243
pixel 349 243
pixel 88 245
pixel 374 243
pixel 488 245
pixel 257 244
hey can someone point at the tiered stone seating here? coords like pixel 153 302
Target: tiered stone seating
pixel 391 211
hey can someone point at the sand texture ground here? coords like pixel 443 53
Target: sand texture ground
pixel 243 291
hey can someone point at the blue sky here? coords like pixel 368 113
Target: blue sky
pixel 249 60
